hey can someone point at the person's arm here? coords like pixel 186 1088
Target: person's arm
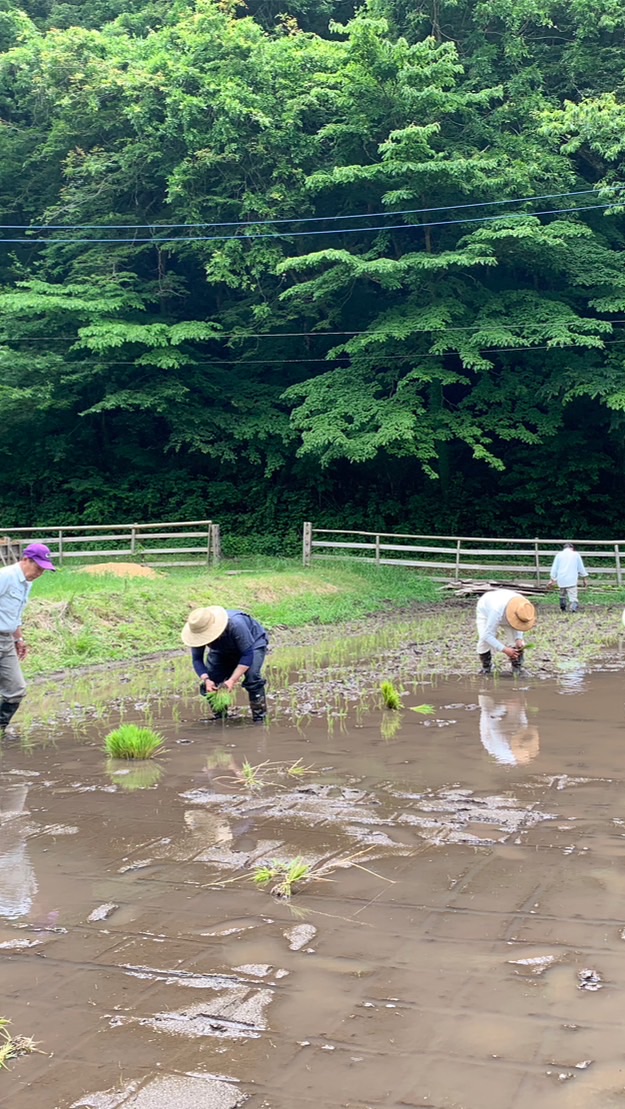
pixel 20 644
pixel 197 659
pixel 492 623
pixel 243 640
pixel 553 573
pixel 581 570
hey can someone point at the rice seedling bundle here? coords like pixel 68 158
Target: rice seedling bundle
pixel 130 741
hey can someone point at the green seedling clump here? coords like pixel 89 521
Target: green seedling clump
pixel 390 696
pixel 425 710
pixel 220 701
pixel 130 741
pixel 13 1046
pixel 288 875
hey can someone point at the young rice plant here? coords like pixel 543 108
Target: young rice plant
pixel 130 741
pixel 391 697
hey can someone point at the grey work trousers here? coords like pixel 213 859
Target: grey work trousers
pixel 12 684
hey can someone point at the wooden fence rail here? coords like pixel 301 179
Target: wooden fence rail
pixel 174 543
pixel 455 556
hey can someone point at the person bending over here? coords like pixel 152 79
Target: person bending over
pixel 509 613
pixel 227 647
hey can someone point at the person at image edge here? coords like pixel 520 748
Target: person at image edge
pixel 15 585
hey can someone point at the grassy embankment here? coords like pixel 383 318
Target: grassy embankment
pixel 77 619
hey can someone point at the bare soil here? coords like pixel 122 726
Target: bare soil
pixel 121 570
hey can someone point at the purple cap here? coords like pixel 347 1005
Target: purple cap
pixel 40 554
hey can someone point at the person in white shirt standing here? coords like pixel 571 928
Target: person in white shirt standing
pixel 566 569
pixel 508 613
pixel 15 586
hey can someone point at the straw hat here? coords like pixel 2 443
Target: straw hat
pixel 204 625
pixel 520 614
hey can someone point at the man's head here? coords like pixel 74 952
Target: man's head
pixel 568 546
pixel 35 559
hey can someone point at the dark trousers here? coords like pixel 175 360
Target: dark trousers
pixel 219 667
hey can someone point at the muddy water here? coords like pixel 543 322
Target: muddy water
pixel 461 944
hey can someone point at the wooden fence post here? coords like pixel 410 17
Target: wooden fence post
pixel 617 556
pixel 60 546
pixel 377 550
pixel 307 544
pixel 133 539
pixel 537 560
pixel 215 542
pixel 458 559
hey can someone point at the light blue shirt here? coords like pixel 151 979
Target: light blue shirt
pixel 566 566
pixel 14 590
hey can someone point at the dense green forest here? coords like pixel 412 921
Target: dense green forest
pixel 295 259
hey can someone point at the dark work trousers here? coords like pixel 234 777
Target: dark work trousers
pixel 219 667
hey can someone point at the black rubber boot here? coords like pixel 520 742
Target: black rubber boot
pixel 518 665
pixel 487 662
pixel 258 705
pixel 574 606
pixel 7 712
pixel 562 604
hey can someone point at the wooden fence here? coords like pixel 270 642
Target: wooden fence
pixel 181 543
pixel 449 557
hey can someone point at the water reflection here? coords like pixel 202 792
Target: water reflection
pixel 18 884
pixel 505 732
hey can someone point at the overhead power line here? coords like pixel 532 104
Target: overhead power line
pixel 153 240
pixel 302 219
pixel 323 361
pixel 314 334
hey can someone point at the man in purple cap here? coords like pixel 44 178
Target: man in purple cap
pixel 15 586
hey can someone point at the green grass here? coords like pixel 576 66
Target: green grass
pixel 130 741
pixel 75 618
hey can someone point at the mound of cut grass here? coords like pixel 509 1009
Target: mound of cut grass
pixel 130 741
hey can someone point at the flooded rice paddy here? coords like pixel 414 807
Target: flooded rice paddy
pixel 456 940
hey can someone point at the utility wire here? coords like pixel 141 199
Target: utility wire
pixel 307 334
pixel 327 361
pixel 298 234
pixel 300 219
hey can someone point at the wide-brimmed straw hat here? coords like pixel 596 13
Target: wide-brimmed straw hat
pixel 204 625
pixel 520 614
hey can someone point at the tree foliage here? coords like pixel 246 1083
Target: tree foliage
pixel 259 263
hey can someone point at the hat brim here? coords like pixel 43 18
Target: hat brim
pixel 520 625
pixel 203 638
pixel 44 563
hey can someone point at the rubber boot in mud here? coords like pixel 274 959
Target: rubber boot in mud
pixel 562 604
pixel 258 705
pixel 7 712
pixel 487 662
pixel 574 606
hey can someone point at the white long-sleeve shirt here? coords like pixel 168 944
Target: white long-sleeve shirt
pixel 14 591
pixel 491 614
pixel 567 565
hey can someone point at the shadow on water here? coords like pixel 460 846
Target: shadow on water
pixel 455 938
